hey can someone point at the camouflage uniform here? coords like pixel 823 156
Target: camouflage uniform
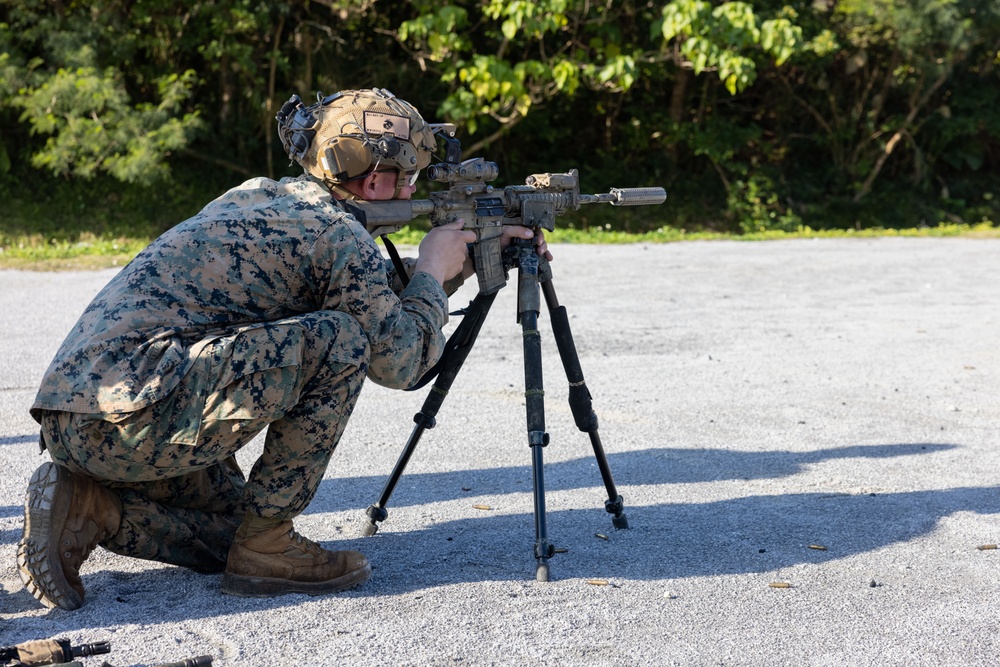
pixel 268 308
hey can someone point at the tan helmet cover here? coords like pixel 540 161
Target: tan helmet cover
pixel 358 130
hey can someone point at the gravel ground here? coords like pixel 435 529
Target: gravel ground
pixel 756 400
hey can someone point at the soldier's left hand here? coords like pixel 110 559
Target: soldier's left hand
pixel 511 232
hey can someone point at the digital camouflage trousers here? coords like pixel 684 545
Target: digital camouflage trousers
pixel 173 463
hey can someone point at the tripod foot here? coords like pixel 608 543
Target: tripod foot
pixel 375 514
pixel 542 572
pixel 615 507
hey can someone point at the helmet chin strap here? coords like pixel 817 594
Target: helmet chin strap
pixel 400 178
pixel 401 181
pixel 341 192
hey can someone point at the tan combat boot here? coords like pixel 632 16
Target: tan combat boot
pixel 65 516
pixel 279 561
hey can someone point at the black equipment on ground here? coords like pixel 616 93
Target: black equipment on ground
pixel 49 652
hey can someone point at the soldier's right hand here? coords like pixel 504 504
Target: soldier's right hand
pixel 444 251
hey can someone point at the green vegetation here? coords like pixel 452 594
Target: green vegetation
pixel 762 119
pixel 60 235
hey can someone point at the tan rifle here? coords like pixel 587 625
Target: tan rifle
pixel 486 209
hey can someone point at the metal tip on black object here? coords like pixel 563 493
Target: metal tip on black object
pixel 96 648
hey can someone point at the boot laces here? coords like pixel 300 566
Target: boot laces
pixel 303 543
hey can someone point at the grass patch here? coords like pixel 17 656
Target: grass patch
pixel 52 224
pixel 87 251
pixel 90 251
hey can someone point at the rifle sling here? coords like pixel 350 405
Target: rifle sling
pixel 397 261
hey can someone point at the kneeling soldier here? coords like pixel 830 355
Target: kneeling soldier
pixel 268 309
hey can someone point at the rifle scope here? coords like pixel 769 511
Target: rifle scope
pixel 477 170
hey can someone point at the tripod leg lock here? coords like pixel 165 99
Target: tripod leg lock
pixel 376 513
pixel 540 438
pixel 544 550
pixel 616 508
pixel 423 421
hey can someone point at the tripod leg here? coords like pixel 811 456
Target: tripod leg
pixel 455 352
pixel 528 306
pixel 580 400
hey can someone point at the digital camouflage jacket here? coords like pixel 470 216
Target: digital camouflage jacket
pixel 261 252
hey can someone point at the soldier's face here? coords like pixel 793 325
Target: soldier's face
pixel 383 186
pixel 380 185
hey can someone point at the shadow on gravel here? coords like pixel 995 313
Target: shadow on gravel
pixel 18 439
pixel 648 466
pixel 7 512
pixel 668 541
pixel 665 542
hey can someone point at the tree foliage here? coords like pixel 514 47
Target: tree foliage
pixel 757 114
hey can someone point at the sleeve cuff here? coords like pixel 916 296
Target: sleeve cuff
pixel 426 293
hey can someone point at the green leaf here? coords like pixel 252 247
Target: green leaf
pixel 509 29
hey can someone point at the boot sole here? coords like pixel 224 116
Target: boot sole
pixel 45 511
pixel 265 587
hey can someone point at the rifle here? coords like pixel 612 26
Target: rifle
pixel 49 652
pixel 486 209
pixel 60 653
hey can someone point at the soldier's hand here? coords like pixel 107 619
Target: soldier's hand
pixel 443 252
pixel 542 246
pixel 511 232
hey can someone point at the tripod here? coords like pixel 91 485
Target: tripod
pixel 534 276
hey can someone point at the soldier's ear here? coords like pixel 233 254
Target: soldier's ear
pixel 370 184
pixel 373 183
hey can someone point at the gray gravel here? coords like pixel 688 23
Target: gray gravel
pixel 756 400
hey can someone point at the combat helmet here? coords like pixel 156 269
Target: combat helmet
pixel 346 134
